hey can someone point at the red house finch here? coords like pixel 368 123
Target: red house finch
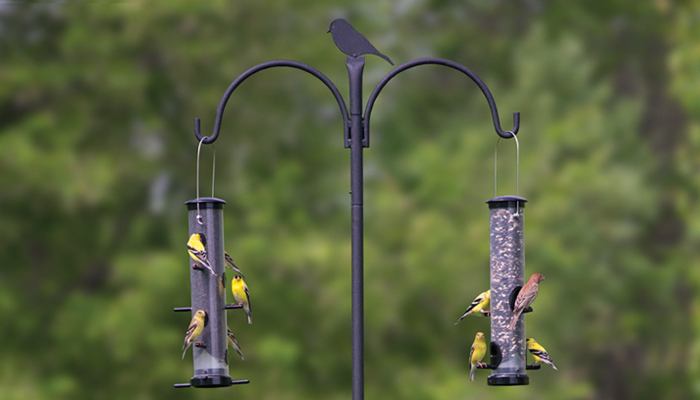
pixel 526 296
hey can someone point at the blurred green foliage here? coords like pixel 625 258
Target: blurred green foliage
pixel 97 156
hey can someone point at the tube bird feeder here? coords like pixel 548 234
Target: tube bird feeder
pixel 208 293
pixel 507 266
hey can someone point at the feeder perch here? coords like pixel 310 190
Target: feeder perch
pixel 211 359
pixel 507 265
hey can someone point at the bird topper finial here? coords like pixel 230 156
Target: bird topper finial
pixel 351 42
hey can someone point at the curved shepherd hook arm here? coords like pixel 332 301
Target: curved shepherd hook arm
pixel 448 63
pixel 260 67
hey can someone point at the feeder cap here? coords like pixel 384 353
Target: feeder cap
pixel 205 202
pixel 506 201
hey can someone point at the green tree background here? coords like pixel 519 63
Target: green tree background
pixel 97 157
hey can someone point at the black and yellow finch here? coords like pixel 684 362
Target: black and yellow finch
pixel 197 324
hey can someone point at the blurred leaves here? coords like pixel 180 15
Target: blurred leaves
pixel 97 157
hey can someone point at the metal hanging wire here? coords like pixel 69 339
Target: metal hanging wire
pixel 517 170
pixel 213 177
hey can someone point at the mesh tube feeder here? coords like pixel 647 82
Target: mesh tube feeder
pixel 208 293
pixel 507 266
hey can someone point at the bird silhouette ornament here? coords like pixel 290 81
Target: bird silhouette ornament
pixel 351 42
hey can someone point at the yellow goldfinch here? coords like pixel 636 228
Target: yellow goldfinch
pixel 539 353
pixel 231 264
pixel 197 249
pixel 526 296
pixel 476 354
pixel 234 343
pixel 479 304
pixel 199 321
pixel 241 295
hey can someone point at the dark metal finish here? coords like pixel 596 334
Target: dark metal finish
pixel 507 265
pixel 216 381
pixel 226 307
pixel 356 137
pixel 355 65
pixel 508 380
pixel 261 67
pixel 205 202
pixel 454 65
pixel 491 366
pixel 351 42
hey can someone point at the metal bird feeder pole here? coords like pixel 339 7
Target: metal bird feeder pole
pixel 356 130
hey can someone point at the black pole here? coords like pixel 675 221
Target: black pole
pixel 355 67
pixel 356 137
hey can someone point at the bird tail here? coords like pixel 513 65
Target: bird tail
pixel 184 350
pixel 472 372
pixel 211 271
pixel 514 321
pixel 236 346
pixel 549 362
pixel 249 314
pixel 386 58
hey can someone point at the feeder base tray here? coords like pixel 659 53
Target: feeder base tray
pixel 212 381
pixel 508 380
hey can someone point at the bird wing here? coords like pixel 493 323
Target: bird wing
pixel 469 309
pixel 190 330
pixel 188 336
pixel 539 353
pixel 471 355
pixel 231 264
pixel 200 256
pixel 526 296
pixel 475 303
pixel 247 297
pixel 234 343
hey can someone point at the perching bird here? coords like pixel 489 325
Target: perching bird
pixel 479 304
pixel 234 343
pixel 231 264
pixel 197 324
pixel 242 296
pixel 539 353
pixel 351 42
pixel 222 285
pixel 527 295
pixel 197 249
pixel 476 354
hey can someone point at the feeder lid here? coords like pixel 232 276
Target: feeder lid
pixel 205 202
pixel 506 201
